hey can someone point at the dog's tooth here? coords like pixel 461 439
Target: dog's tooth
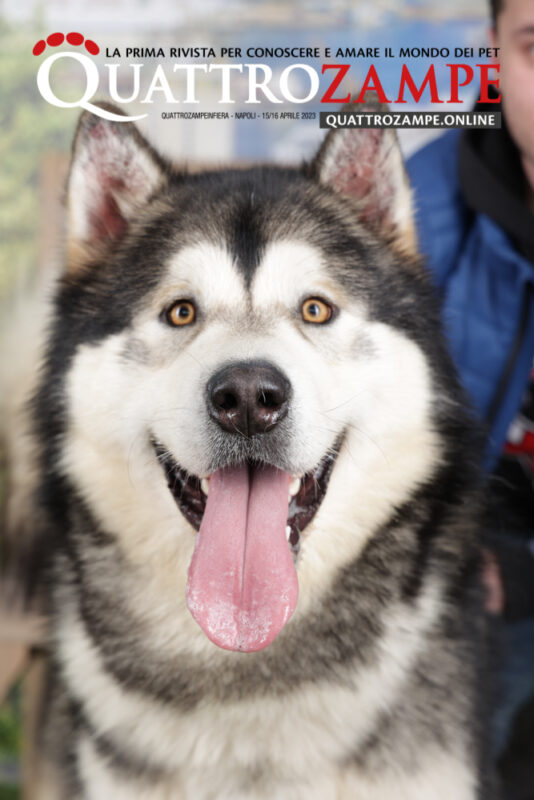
pixel 205 485
pixel 288 531
pixel 294 487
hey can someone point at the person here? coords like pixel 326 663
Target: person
pixel 474 198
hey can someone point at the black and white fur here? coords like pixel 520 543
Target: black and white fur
pixel 374 688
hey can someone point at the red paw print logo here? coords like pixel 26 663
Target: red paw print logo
pixel 55 39
pixel 91 73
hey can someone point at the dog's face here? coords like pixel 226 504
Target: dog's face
pixel 246 395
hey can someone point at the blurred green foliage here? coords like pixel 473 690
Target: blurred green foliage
pixel 9 793
pixel 9 744
pixel 9 731
pixel 28 128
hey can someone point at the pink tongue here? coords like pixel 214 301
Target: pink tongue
pixel 242 585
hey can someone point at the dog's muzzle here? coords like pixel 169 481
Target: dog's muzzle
pixel 249 509
pixel 248 398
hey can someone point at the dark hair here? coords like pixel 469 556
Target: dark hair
pixel 496 7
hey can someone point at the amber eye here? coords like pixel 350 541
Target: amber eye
pixel 316 310
pixel 181 313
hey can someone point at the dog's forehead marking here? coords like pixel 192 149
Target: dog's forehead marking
pixel 207 270
pixel 288 269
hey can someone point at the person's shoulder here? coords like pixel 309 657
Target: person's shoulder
pixel 441 215
pixel 434 168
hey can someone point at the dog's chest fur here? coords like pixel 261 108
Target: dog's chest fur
pixel 300 743
pixel 163 723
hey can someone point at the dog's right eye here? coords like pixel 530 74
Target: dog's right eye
pixel 316 311
pixel 181 313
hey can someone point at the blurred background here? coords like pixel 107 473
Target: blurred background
pixel 35 136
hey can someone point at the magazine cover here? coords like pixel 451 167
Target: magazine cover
pixel 267 442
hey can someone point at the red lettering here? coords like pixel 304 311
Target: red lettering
pixel 328 95
pixel 455 83
pixel 374 86
pixel 407 81
pixel 485 83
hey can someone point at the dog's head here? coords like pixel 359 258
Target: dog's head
pixel 246 361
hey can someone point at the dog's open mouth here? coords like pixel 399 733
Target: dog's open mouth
pixel 242 586
pixel 305 493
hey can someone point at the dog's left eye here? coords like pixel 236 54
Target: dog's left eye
pixel 316 310
pixel 181 313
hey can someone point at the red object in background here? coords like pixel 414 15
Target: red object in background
pixel 92 47
pixel 520 437
pixel 39 47
pixel 526 445
pixel 74 38
pixel 55 39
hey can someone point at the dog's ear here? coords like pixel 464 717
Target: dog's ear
pixel 113 174
pixel 366 166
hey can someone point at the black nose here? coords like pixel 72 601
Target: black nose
pixel 248 397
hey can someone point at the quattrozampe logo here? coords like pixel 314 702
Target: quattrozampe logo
pixel 92 77
pixel 165 77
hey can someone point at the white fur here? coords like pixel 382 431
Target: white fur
pixel 444 776
pixel 300 733
pixel 102 782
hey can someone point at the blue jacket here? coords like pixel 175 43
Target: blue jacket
pixel 486 286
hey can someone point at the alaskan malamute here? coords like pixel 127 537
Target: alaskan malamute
pixel 259 485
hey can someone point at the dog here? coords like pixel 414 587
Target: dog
pixel 257 484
